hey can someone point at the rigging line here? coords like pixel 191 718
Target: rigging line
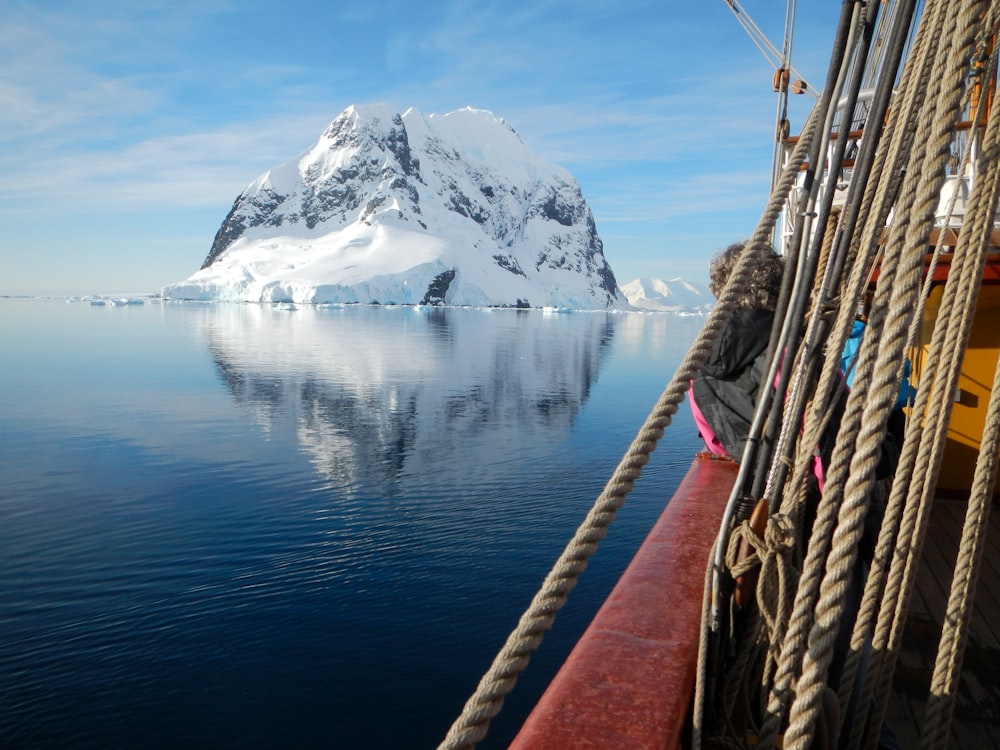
pixel 709 635
pixel 793 648
pixel 950 328
pixel 857 207
pixel 821 110
pixel 760 40
pixel 863 629
pixel 782 421
pixel 975 130
pixel 859 201
pixel 786 47
pixel 907 235
pixel 865 622
pixel 952 644
pixel 815 336
pixel 781 113
pixel 473 723
pixel 916 78
pixel 859 264
pixel 815 147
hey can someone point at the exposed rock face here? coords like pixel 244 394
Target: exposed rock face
pixel 411 209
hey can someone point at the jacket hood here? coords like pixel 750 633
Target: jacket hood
pixel 741 342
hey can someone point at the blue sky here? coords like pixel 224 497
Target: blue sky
pixel 127 129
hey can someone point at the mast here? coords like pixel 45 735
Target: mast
pixel 786 78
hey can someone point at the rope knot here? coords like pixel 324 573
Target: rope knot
pixel 744 533
pixel 780 534
pixel 778 576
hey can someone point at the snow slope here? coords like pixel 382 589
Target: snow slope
pixel 674 295
pixel 411 209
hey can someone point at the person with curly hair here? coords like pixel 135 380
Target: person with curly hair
pixel 723 399
pixel 724 394
pixel 764 281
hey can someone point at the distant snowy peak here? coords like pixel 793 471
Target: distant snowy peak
pixel 674 295
pixel 411 209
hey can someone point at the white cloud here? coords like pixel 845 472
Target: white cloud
pixel 169 171
pixel 167 108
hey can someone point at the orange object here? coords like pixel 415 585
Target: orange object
pixel 746 584
pixel 781 79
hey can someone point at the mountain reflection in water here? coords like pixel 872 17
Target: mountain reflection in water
pixel 368 392
pixel 249 526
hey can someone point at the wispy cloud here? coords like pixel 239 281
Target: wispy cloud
pixel 167 171
pixel 163 109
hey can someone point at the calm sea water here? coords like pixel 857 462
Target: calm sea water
pixel 246 526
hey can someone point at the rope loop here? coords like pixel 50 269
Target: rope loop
pixel 744 533
pixel 778 575
pixel 780 534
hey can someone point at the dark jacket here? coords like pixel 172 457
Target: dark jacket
pixel 726 390
pixel 726 393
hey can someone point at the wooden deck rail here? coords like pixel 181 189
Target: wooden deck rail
pixel 629 680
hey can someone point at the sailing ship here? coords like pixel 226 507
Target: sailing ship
pixel 722 630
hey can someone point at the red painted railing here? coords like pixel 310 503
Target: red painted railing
pixel 629 680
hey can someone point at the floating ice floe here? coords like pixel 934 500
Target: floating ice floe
pixel 116 301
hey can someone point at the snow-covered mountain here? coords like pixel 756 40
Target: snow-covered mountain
pixel 674 295
pixel 411 209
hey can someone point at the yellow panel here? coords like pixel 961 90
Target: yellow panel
pixel 969 410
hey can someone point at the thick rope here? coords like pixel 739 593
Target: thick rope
pixel 873 209
pixel 944 681
pixel 855 44
pixel 936 411
pixel 902 128
pixel 804 604
pixel 979 222
pixel 851 478
pixel 795 403
pixel 873 596
pixel 934 399
pixel 874 420
pixel 472 724
pixel 947 343
pixel 761 235
pixel 499 680
pixel 910 491
pixel 925 437
pixel 770 727
pixel 883 390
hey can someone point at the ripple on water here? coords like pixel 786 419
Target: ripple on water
pixel 224 527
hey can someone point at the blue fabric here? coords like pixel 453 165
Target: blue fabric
pixel 851 346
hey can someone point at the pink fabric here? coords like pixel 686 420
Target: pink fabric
pixel 713 443
pixel 715 446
